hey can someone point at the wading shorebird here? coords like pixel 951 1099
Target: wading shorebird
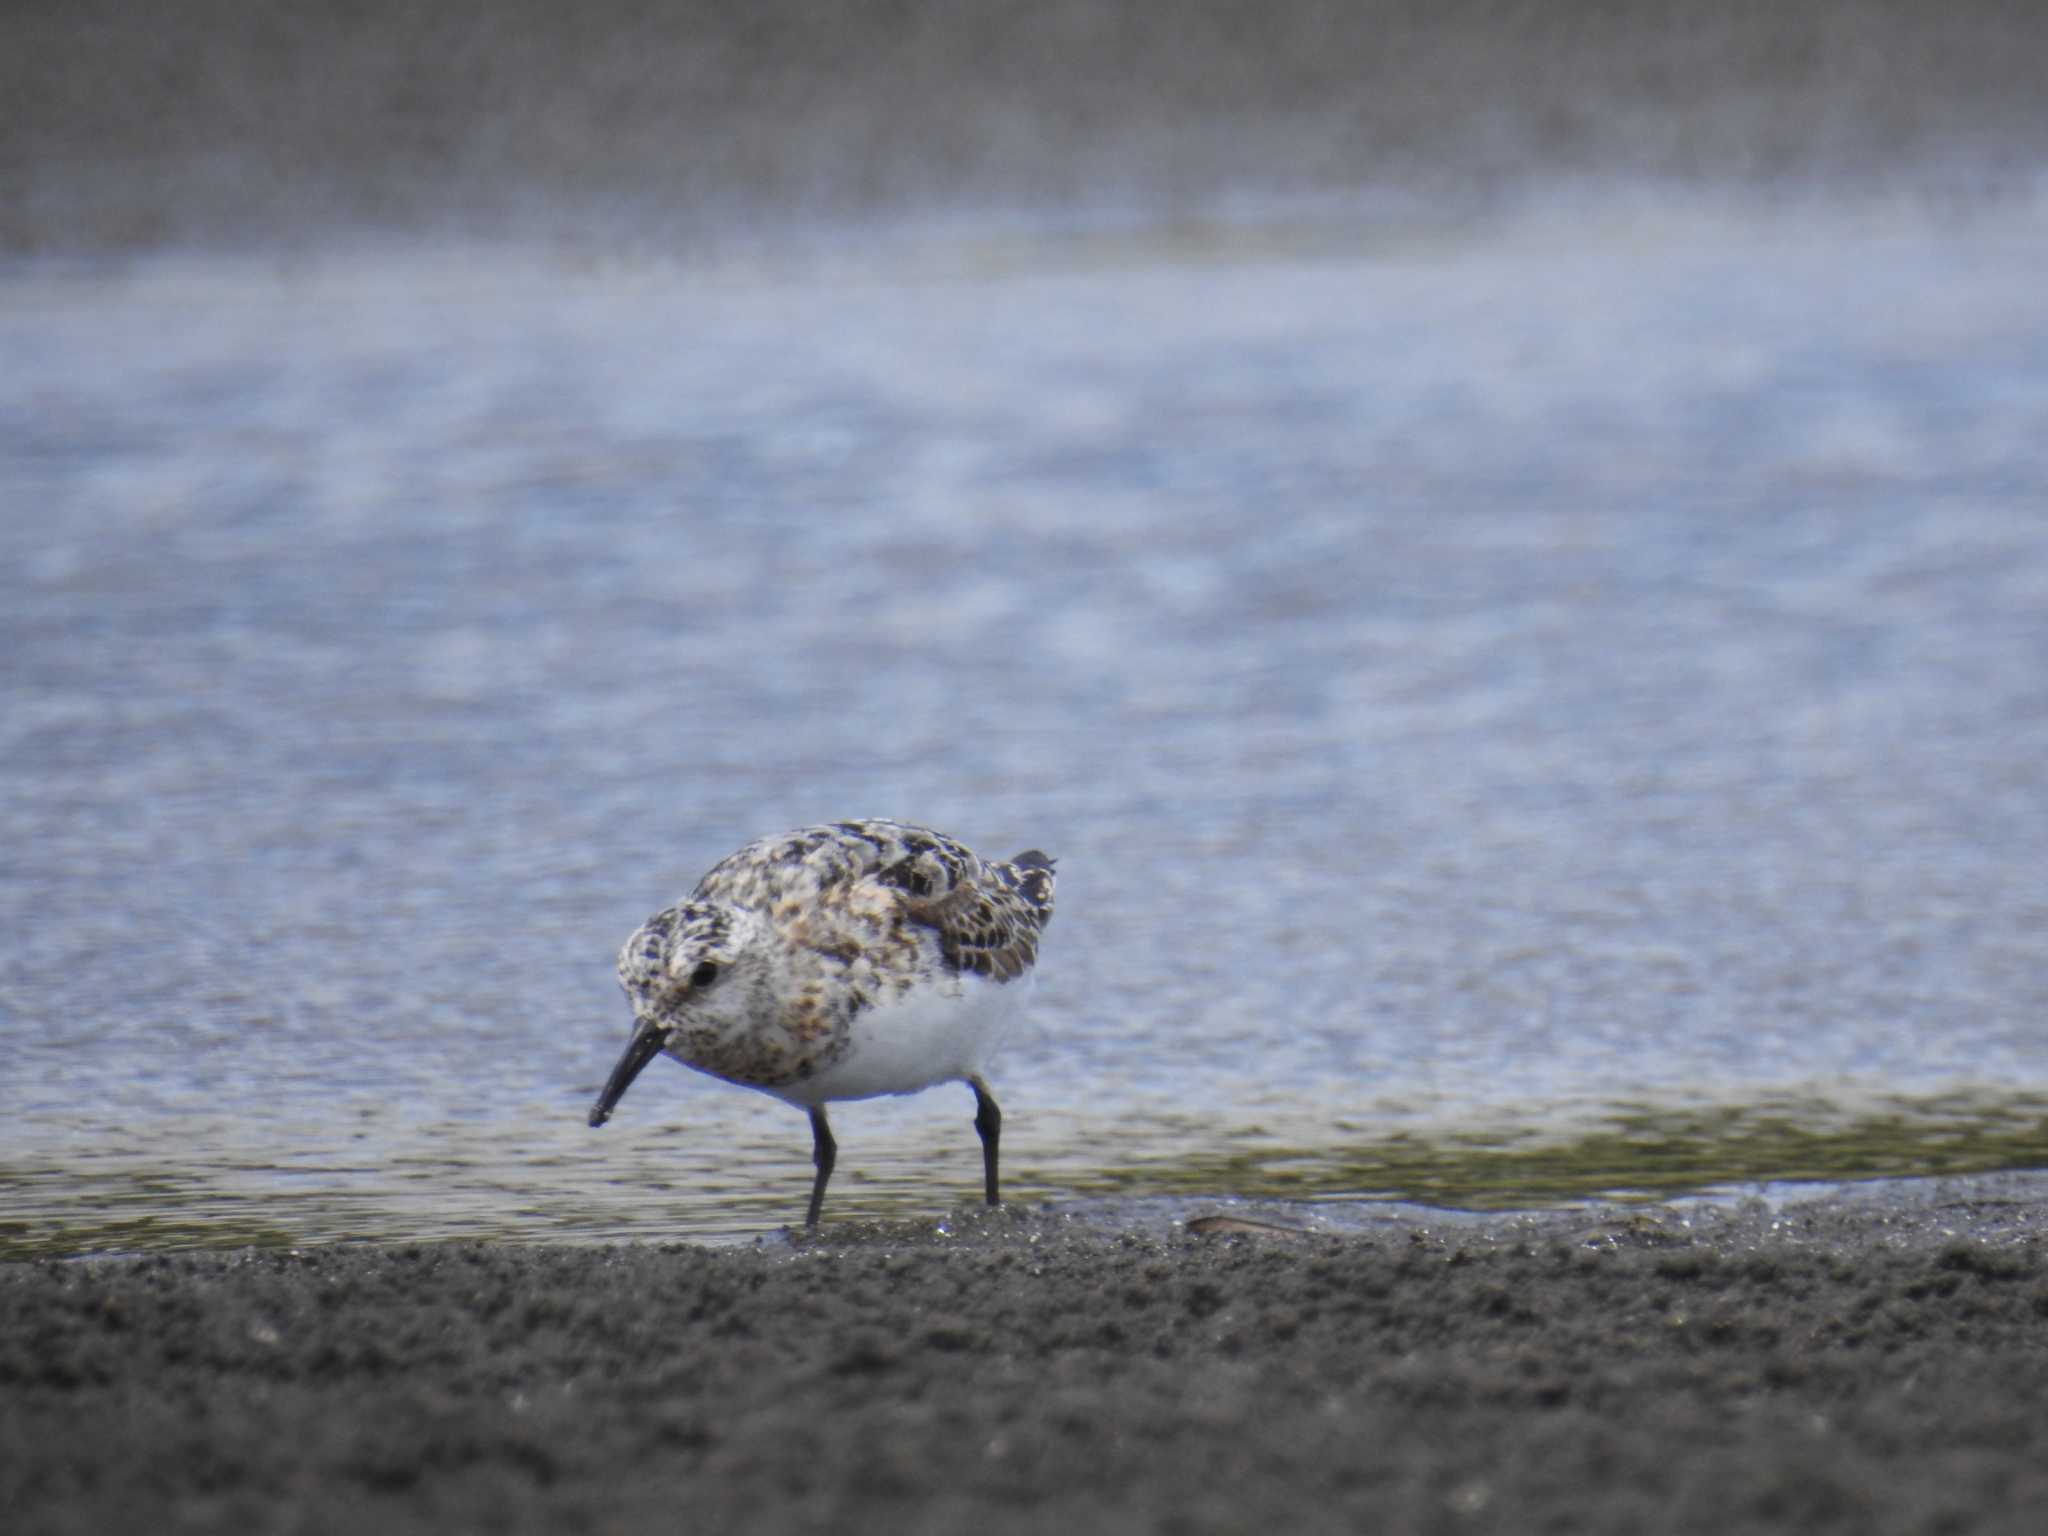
pixel 839 962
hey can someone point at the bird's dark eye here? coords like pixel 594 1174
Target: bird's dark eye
pixel 705 974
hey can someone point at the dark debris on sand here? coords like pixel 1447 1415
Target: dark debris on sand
pixel 1029 1374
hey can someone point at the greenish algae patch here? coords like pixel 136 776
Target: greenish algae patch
pixel 1642 1152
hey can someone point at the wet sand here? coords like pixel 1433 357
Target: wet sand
pixel 1858 1365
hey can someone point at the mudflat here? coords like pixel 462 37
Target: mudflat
pixel 1864 1364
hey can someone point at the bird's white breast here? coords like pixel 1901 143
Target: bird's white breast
pixel 944 1030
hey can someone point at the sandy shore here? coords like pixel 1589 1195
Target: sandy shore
pixel 1857 1365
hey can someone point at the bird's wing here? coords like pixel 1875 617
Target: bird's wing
pixel 987 916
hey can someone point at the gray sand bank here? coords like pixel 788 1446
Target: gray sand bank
pixel 613 123
pixel 1850 1365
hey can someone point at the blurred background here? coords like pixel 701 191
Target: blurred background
pixel 1501 545
pixel 628 124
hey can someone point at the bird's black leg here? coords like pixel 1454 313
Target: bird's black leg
pixel 823 1151
pixel 988 1120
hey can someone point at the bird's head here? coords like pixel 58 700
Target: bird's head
pixel 688 967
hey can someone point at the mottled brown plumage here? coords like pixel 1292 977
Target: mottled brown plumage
pixel 838 962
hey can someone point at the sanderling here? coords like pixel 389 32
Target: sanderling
pixel 839 962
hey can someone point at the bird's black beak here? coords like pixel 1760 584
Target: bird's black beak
pixel 645 1045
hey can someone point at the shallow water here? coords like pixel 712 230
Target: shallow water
pixel 1524 714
